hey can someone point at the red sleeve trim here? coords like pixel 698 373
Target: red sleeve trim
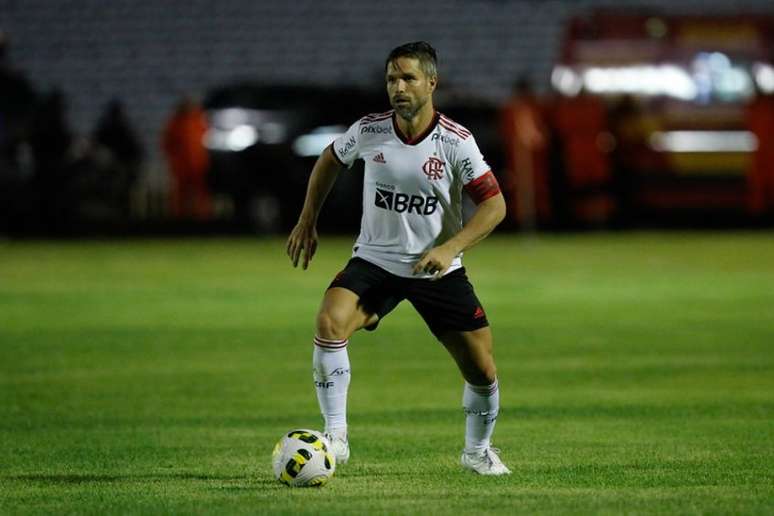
pixel 483 187
pixel 333 151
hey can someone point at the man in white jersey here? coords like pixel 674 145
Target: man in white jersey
pixel 420 168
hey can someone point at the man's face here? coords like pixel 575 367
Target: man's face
pixel 408 87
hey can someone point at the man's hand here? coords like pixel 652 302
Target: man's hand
pixel 303 237
pixel 436 261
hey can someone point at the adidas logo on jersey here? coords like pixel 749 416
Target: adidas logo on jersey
pixel 379 158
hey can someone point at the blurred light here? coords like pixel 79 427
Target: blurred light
pixel 566 81
pixel 717 78
pixel 235 129
pixel 667 80
pixel 718 61
pixel 235 140
pixel 241 137
pixel 229 118
pixel 315 141
pixel 734 83
pixel 704 141
pixel 764 77
pixel 711 75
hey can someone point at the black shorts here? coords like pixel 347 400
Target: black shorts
pixel 447 304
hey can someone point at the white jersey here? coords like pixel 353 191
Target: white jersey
pixel 412 190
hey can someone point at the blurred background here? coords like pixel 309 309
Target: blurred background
pixel 146 117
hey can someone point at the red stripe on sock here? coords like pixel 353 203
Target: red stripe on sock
pixel 332 341
pixel 330 344
pixel 484 390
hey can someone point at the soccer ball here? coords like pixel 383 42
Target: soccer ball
pixel 302 459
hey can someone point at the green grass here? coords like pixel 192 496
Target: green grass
pixel 154 377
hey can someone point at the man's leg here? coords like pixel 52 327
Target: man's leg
pixel 472 351
pixel 339 317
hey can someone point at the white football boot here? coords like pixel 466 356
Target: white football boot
pixel 484 463
pixel 339 447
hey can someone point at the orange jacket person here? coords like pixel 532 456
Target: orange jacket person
pixel 188 161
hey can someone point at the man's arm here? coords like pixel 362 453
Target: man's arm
pixel 304 235
pixel 489 213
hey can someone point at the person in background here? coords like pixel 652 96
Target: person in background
pixel 119 151
pixel 582 126
pixel 18 100
pixel 760 174
pixel 188 161
pixel 525 137
pixel 51 143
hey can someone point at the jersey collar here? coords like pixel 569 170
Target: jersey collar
pixel 419 137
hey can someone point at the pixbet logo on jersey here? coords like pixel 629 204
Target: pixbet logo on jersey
pixel 400 202
pixel 451 140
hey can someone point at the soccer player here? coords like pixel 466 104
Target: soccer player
pixel 422 173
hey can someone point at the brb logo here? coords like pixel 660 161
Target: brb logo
pixel 401 202
pixel 433 168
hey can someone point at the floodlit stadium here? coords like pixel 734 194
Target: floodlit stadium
pixel 231 240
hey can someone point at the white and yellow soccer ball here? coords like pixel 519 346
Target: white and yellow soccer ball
pixel 302 458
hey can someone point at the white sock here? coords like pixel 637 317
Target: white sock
pixel 331 380
pixel 481 405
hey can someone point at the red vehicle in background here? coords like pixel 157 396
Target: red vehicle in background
pixel 657 115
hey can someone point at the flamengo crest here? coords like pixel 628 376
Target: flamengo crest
pixel 433 168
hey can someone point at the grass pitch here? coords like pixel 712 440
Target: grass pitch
pixel 636 375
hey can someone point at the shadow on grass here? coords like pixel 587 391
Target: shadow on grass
pixel 389 418
pixel 612 410
pixel 83 478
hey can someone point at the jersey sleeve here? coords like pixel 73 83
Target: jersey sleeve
pixel 477 178
pixel 346 148
pixel 470 162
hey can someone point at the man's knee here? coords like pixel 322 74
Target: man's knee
pixel 489 373
pixel 333 323
pixel 482 373
pixel 473 353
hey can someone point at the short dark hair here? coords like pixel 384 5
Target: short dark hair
pixel 420 50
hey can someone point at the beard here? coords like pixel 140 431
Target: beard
pixel 408 110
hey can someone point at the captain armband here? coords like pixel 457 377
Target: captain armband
pixel 483 187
